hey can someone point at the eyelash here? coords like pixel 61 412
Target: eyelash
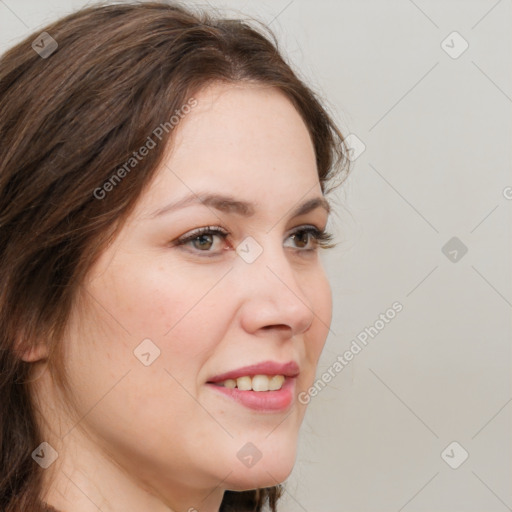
pixel 322 238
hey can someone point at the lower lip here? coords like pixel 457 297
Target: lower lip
pixel 261 401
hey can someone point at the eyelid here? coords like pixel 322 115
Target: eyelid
pixel 198 231
pixel 321 239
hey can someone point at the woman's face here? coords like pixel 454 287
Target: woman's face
pixel 162 320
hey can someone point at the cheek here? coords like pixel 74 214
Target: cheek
pixel 183 318
pixel 178 311
pixel 153 301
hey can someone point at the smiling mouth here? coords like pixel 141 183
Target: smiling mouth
pixel 266 386
pixel 260 383
pixel 261 399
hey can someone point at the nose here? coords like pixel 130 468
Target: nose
pixel 272 295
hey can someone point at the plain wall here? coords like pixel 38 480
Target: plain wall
pixel 437 165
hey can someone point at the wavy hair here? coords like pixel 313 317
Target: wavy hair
pixel 70 118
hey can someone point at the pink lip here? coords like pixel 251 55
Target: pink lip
pixel 289 369
pixel 270 401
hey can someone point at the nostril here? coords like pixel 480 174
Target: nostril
pixel 282 327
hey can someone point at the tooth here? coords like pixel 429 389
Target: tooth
pixel 230 383
pixel 244 383
pixel 275 382
pixel 260 383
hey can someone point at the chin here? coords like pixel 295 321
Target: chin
pixel 265 473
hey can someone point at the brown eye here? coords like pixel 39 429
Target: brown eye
pixel 301 238
pixel 203 239
pixel 320 238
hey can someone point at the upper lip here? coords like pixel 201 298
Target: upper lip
pixel 289 369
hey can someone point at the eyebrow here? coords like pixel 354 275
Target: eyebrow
pixel 229 204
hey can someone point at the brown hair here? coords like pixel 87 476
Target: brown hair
pixel 68 121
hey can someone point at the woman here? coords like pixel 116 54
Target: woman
pixel 162 205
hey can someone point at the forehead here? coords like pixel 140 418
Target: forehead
pixel 245 140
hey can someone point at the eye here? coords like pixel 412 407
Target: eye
pixel 318 237
pixel 202 239
pixel 306 239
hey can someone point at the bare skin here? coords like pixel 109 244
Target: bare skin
pixel 158 437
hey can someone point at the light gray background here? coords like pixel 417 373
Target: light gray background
pixel 437 132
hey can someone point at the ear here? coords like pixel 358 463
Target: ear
pixel 34 353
